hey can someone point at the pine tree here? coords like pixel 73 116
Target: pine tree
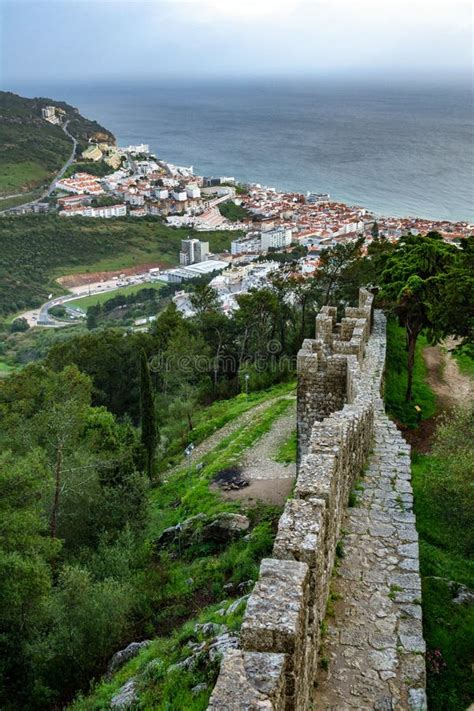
pixel 149 432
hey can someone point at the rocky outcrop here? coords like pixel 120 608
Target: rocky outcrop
pixel 219 529
pixel 126 697
pixel 124 655
pixel 339 381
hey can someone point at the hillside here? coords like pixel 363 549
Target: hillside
pixel 34 249
pixel 31 149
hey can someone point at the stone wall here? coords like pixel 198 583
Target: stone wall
pixel 339 379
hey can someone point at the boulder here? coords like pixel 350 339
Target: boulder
pixel 123 656
pixel 198 688
pixel 183 533
pixel 126 697
pixel 225 527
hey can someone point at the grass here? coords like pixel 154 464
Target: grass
pixel 286 453
pixel 209 420
pixel 14 176
pixel 37 249
pixel 86 301
pixel 187 585
pixel 396 379
pixel 233 212
pixel 7 203
pixel 447 626
pixel 465 362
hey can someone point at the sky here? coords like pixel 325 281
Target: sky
pixel 72 40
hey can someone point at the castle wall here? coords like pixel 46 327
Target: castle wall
pixel 339 380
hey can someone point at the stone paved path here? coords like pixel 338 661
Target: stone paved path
pixel 374 646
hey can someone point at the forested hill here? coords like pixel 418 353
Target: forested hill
pixel 32 149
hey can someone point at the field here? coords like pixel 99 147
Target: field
pixel 36 249
pixel 86 301
pixel 15 176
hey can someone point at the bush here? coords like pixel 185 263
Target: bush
pixel 19 325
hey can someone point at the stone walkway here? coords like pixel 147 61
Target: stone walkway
pixel 373 652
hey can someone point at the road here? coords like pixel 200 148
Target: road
pixel 58 176
pixel 41 316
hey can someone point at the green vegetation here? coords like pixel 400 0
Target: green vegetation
pixel 32 150
pixel 234 212
pixel 420 283
pixel 91 554
pixel 98 169
pixel 86 301
pixel 287 451
pixel 396 380
pixel 199 573
pixel 444 506
pixel 79 245
pixel 465 360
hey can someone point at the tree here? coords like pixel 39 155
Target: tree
pixel 149 431
pixel 375 229
pixel 332 264
pixel 25 578
pixel 19 325
pixel 413 282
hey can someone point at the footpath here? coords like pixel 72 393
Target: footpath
pixel 374 644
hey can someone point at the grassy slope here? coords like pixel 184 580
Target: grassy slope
pixel 396 379
pixel 31 149
pixel 35 249
pixel 189 587
pixel 447 627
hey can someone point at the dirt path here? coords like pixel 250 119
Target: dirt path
pixel 270 481
pixel 445 379
pixel 211 442
pixel 451 387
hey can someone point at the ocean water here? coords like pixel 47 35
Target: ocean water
pixel 398 149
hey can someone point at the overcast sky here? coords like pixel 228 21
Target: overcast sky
pixel 56 40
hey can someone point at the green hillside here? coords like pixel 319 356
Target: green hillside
pixel 34 249
pixel 31 149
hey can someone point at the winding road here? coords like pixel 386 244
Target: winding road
pixel 58 176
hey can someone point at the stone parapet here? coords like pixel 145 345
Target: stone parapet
pixel 339 382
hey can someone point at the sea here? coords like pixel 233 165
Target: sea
pixel 397 148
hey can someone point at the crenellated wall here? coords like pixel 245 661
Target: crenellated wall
pixel 339 380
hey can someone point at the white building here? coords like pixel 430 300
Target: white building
pixel 276 239
pixel 49 114
pixel 247 245
pixel 141 148
pixel 176 276
pixel 193 192
pixel 179 195
pixel 88 211
pixel 193 251
pixel 161 193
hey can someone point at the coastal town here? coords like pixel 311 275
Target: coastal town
pixel 131 182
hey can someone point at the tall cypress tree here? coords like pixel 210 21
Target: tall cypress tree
pixel 149 431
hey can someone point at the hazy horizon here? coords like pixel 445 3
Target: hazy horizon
pixel 54 41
